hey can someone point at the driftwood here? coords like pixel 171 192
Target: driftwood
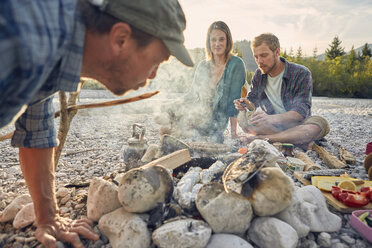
pixel 172 160
pixel 346 156
pixel 310 165
pixel 328 158
pixel 65 119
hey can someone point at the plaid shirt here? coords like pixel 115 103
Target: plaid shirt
pixel 296 91
pixel 41 43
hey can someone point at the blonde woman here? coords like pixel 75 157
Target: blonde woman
pixel 218 81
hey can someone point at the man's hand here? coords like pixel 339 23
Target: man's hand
pixel 37 166
pixel 65 230
pixel 260 118
pixel 250 105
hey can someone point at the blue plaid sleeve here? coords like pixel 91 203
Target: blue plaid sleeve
pixel 35 128
pixel 41 43
pixel 33 37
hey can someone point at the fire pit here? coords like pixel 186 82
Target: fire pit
pixel 208 196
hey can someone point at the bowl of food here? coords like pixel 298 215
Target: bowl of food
pixel 361 220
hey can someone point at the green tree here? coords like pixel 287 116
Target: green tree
pixel 335 50
pixel 366 51
pixel 237 52
pixel 315 52
pixel 351 61
pixel 290 53
pixel 299 53
pixel 284 54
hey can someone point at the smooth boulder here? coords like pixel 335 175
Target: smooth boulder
pixel 125 230
pixel 14 207
pixel 273 192
pixel 102 198
pixel 25 217
pixel 224 212
pixel 182 233
pixel 141 189
pixel 269 232
pixel 222 240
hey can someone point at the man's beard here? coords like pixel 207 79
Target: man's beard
pixel 272 67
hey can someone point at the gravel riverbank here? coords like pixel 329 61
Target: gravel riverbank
pixel 97 136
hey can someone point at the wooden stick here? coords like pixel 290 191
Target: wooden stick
pixel 81 151
pixel 328 158
pixel 94 105
pixel 109 103
pixel 172 160
pixel 310 165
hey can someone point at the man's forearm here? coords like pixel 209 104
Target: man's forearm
pixel 288 119
pixel 38 170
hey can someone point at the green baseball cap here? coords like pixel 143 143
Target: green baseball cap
pixel 163 19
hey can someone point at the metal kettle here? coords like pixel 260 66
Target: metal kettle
pixel 137 146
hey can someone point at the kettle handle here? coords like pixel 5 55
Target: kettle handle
pixel 141 135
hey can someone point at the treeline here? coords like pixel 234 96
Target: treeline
pixel 338 74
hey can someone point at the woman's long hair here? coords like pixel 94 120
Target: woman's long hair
pixel 220 25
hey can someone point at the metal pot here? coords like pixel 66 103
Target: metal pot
pixel 136 148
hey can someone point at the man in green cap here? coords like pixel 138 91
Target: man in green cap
pixel 48 45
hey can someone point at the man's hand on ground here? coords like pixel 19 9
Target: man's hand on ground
pixel 65 230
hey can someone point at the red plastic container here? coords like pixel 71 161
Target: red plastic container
pixel 369 148
pixel 358 225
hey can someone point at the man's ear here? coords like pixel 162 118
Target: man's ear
pixel 120 35
pixel 277 51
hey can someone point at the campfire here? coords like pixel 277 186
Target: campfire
pixel 196 194
pixel 199 194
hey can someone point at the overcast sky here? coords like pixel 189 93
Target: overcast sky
pixel 305 23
